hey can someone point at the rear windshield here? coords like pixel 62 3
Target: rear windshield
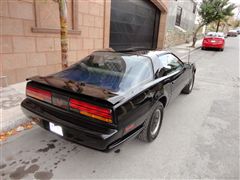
pixel 215 34
pixel 113 71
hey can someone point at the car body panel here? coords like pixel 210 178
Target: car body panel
pixel 214 40
pixel 130 109
pixel 87 90
pixel 232 33
pixel 238 30
pixel 98 138
pixel 218 45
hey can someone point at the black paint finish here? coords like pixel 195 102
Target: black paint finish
pixel 130 109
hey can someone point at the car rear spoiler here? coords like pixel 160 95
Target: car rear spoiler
pixel 78 88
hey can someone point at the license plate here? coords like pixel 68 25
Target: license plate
pixel 213 41
pixel 56 129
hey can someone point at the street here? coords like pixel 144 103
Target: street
pixel 199 137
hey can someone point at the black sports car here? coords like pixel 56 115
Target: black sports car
pixel 109 97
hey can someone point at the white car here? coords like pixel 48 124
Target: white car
pixel 233 33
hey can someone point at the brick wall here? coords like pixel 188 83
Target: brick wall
pixel 24 53
pixel 30 43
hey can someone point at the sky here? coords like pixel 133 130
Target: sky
pixel 237 10
pixel 235 1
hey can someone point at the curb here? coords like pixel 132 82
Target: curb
pixel 14 124
pixel 191 51
pixel 12 118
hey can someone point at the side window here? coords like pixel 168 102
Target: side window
pixel 168 64
pixel 178 16
pixel 174 63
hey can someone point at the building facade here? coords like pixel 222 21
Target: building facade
pixel 180 21
pixel 30 40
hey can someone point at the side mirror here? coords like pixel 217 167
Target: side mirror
pixel 162 72
pixel 187 66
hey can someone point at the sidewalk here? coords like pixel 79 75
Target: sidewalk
pixel 11 96
pixel 182 50
pixel 11 113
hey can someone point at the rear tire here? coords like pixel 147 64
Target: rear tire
pixel 188 88
pixel 153 124
pixel 203 48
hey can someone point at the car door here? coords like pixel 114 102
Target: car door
pixel 175 73
pixel 179 75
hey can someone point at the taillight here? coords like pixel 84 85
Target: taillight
pixel 205 40
pixel 87 109
pixel 40 94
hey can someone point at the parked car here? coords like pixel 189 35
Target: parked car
pixel 109 97
pixel 238 30
pixel 214 40
pixel 232 33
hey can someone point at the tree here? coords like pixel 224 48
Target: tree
pixel 210 11
pixel 223 24
pixel 235 23
pixel 226 10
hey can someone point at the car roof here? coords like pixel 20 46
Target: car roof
pixel 143 52
pixel 215 33
pixel 151 54
pixel 211 32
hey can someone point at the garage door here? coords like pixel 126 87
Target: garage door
pixel 134 24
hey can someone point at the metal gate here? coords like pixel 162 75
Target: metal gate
pixel 134 24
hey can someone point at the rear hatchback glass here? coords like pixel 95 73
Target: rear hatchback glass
pixel 215 35
pixel 116 72
pixel 211 34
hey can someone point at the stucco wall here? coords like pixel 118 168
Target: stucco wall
pixel 177 35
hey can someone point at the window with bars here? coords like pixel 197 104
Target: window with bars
pixel 179 16
pixel 194 8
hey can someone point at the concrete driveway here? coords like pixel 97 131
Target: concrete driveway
pixel 199 137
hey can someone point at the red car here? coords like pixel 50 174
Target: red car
pixel 214 40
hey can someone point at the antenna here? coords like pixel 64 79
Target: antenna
pixel 189 53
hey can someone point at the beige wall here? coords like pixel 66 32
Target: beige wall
pixel 162 5
pixel 28 47
pixel 24 53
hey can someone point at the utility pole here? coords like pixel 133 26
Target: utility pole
pixel 64 32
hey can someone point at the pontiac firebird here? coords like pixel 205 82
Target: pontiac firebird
pixel 109 97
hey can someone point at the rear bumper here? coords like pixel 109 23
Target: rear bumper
pixel 235 35
pixel 105 140
pixel 209 45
